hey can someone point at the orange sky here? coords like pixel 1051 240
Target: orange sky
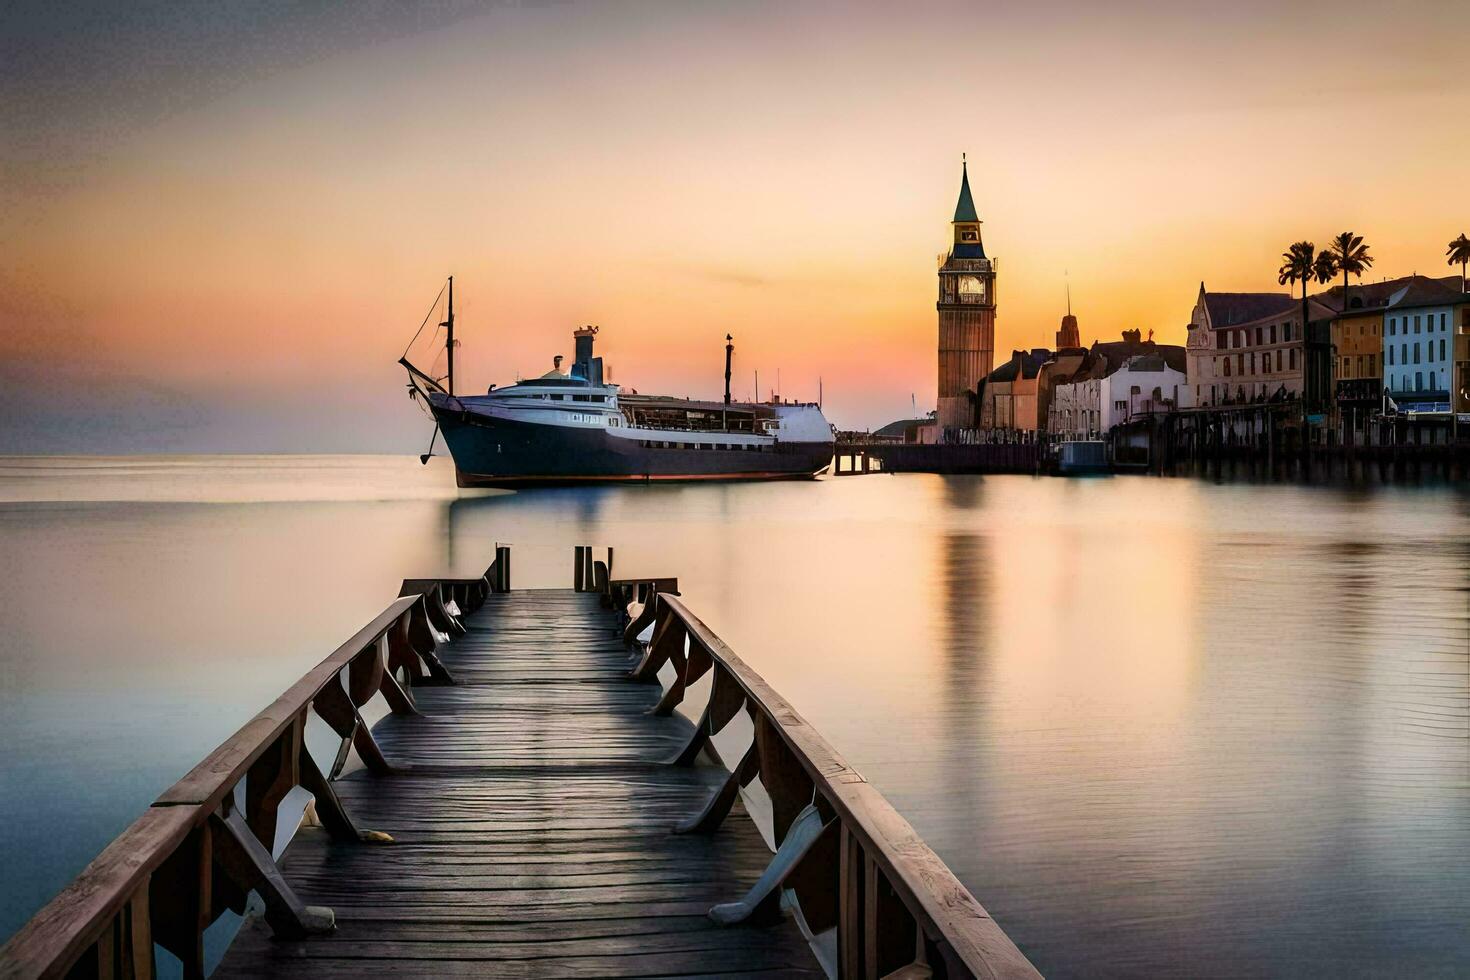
pixel 233 258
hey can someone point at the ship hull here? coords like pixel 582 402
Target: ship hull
pixel 495 452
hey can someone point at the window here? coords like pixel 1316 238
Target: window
pixel 1278 360
pixel 1429 351
pixel 1416 354
pixel 1392 323
pixel 1253 362
pixel 1286 332
pixel 1372 365
pixel 1390 353
pixel 1271 333
pixel 1227 367
pixel 557 398
pixel 1431 380
pixel 1442 321
pixel 1418 380
pixel 1259 336
pixel 1441 348
pixel 1291 359
pixel 1403 353
pixel 1416 323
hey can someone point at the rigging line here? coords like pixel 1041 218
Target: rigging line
pixel 426 319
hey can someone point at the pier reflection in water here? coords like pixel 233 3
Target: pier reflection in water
pixel 1158 726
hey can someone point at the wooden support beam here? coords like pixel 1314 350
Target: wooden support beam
pixel 249 864
pixel 762 904
pixel 335 708
pixel 708 820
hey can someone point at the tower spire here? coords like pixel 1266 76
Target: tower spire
pixel 964 209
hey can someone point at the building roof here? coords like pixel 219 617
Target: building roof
pixel 1230 310
pixel 964 209
pixel 1146 362
pixel 1024 364
pixel 901 427
pixel 1233 309
pixel 1372 297
pixel 1103 359
pixel 1425 292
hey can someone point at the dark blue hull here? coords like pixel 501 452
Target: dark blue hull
pixel 493 452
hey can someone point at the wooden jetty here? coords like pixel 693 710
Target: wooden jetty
pixel 531 804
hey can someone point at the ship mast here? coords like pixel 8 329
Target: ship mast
pixel 448 326
pixel 724 412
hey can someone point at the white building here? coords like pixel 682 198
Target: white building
pixel 1095 400
pixel 1419 327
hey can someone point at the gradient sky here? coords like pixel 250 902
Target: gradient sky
pixel 220 224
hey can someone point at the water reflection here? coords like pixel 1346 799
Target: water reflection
pixel 1158 726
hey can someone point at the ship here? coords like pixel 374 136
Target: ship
pixel 572 427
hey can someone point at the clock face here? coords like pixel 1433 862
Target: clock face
pixel 972 286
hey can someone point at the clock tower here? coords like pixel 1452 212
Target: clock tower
pixel 966 315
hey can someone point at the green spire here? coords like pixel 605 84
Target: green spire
pixel 965 209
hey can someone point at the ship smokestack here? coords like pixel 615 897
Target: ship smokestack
pixel 586 367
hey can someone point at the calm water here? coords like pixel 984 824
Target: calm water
pixel 1157 726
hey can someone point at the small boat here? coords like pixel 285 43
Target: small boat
pixel 568 427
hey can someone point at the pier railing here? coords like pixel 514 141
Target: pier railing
pixel 207 842
pixel 845 859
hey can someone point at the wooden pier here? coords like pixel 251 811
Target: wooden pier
pixel 532 804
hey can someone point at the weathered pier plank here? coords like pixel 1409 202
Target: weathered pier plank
pixel 531 811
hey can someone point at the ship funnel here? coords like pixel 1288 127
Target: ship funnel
pixel 586 367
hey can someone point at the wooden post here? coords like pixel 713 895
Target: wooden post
pixel 579 574
pixel 180 901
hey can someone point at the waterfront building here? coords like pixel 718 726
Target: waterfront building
pixel 1421 322
pixel 1063 364
pixel 1117 382
pixel 1253 347
pixel 1358 346
pixel 1007 396
pixel 966 315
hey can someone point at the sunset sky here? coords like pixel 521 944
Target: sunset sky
pixel 220 225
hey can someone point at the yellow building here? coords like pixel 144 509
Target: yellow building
pixel 1357 345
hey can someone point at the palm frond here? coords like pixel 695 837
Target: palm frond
pixel 1459 250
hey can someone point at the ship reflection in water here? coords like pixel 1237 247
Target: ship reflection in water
pixel 1160 727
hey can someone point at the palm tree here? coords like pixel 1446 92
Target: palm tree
pixel 1351 255
pixel 1459 252
pixel 1302 263
pixel 1324 267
